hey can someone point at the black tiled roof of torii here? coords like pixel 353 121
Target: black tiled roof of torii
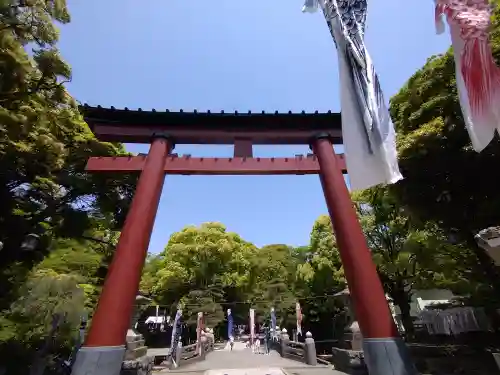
pixel 325 121
pixel 86 108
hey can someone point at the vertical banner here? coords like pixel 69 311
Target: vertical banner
pixel 176 335
pixel 157 319
pixel 298 311
pixel 476 74
pixel 252 325
pixel 164 321
pixel 229 324
pixel 199 327
pixel 368 133
pixel 273 322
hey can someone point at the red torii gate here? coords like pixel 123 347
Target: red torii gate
pixel 103 350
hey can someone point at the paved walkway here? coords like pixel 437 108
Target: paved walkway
pixel 241 361
pixel 237 346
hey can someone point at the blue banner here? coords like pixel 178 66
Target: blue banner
pixel 229 324
pixel 176 333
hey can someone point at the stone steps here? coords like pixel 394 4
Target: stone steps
pixel 136 361
pixel 131 345
pixel 136 353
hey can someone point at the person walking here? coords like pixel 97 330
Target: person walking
pixel 231 342
pixel 267 339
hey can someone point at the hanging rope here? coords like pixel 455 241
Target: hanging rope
pixel 255 302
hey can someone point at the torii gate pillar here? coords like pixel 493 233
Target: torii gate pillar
pixel 104 348
pixel 384 351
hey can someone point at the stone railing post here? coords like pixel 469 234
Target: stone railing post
pixel 178 353
pixel 203 346
pixel 310 350
pixel 285 339
pixel 211 340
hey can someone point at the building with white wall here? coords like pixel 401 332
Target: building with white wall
pixel 419 301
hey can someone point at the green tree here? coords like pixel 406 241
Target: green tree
pixel 28 323
pixel 205 301
pixel 202 267
pixel 45 144
pixel 319 278
pixel 66 283
pixel 44 295
pixel 446 181
pixel 407 256
pixel 271 284
pixel 86 261
pixel 44 190
pixel 149 278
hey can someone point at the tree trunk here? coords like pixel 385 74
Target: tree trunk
pixel 402 300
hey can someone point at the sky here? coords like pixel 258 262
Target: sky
pixel 234 55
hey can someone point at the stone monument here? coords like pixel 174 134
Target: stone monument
pixel 136 361
pixel 349 356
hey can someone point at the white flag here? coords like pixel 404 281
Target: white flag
pixel 252 325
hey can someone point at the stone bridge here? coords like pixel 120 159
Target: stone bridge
pixel 241 361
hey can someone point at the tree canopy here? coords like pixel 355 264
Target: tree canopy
pixel 208 269
pixel 410 256
pixel 70 216
pixel 445 179
pixel 199 265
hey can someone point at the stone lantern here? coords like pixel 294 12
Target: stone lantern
pixel 30 242
pixel 350 357
pixel 136 360
pixel 352 334
pixel 140 303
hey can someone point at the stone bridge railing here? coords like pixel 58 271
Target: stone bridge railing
pixel 300 351
pixel 188 354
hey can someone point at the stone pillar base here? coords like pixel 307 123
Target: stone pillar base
pixel 138 366
pixel 388 356
pixel 99 360
pixel 349 361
